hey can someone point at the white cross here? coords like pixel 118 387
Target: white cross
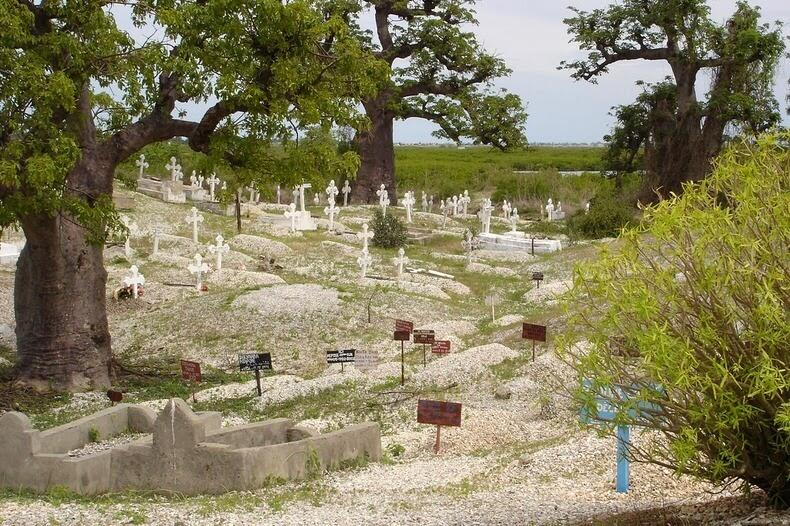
pixel 444 206
pixel 364 261
pixel 131 228
pixel 469 246
pixel 346 191
pixel 278 194
pixel 365 235
pixel 587 208
pixel 550 210
pixel 198 267
pixel 331 210
pixel 252 193
pixel 212 184
pixel 408 202
pixel 174 169
pixel 485 215
pixel 430 204
pixel 331 191
pixel 514 219
pixel 400 261
pixel 142 164
pixel 384 199
pixel 220 248
pixel 424 202
pixel 317 199
pixel 193 180
pixel 195 219
pixel 302 187
pixel 506 209
pixel 455 205
pixel 292 214
pixel 465 200
pixel 157 234
pixel 134 280
pixel 200 180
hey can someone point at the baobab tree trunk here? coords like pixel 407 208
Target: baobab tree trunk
pixel 63 339
pixel 376 150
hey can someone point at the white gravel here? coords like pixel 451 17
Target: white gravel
pixel 297 301
pixel 463 367
pixel 260 245
pixel 104 445
pixel 236 279
pixel 549 292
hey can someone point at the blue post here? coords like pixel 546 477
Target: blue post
pixel 623 438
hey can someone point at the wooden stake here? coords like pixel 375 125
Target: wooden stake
pixel 437 446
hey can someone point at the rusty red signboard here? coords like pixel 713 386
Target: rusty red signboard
pixel 401 336
pixel 190 371
pixel 530 331
pixel 403 325
pixel 439 413
pixel 114 396
pixel 441 347
pixel 424 336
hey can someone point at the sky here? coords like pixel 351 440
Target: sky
pixel 532 39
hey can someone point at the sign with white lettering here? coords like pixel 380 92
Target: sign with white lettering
pixel 344 356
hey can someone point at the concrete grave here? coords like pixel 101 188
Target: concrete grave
pixel 189 453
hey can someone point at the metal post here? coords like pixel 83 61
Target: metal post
pixel 533 350
pixel 258 381
pixel 402 366
pixel 436 446
pixel 533 245
pixel 623 437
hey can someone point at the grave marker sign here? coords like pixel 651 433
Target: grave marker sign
pixel 256 362
pixel 441 347
pixel 342 357
pixel 401 336
pixel 536 333
pixel 537 277
pixel 190 371
pixel 366 360
pixel 439 414
pixel 403 325
pixel 424 337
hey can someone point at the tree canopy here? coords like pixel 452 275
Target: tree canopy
pixel 680 131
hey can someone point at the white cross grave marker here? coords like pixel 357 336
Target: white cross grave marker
pixel 346 191
pixel 506 209
pixel 514 219
pixel 492 299
pixel 220 248
pixel 142 164
pixel 195 219
pixel 134 280
pixel 485 215
pixel 400 261
pixel 444 206
pixel 455 205
pixel 465 200
pixel 550 210
pixel 430 204
pixel 278 194
pixel 587 208
pixel 365 235
pixel 331 191
pixel 174 168
pixel 292 214
pixel 408 202
pixel 331 211
pixel 469 246
pixel 384 199
pixel 364 261
pixel 198 267
pixel 424 204
pixel 212 185
pixel 131 228
pixel 193 180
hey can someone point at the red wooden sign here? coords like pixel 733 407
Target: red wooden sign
pixel 424 336
pixel 403 325
pixel 439 413
pixel 401 336
pixel 190 371
pixel 533 332
pixel 441 347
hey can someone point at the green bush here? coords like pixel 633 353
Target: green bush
pixel 687 323
pixel 389 230
pixel 608 216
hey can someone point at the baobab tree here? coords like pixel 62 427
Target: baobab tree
pixel 62 134
pixel 680 131
pixel 439 72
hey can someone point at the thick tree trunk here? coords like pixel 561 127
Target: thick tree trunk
pixel 678 153
pixel 376 150
pixel 63 339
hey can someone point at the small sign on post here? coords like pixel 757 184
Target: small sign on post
pixel 403 325
pixel 114 396
pixel 492 300
pixel 536 333
pixel 190 371
pixel 439 414
pixel 537 277
pixel 402 336
pixel 342 357
pixel 256 362
pixel 424 337
pixel 441 347
pixel 366 360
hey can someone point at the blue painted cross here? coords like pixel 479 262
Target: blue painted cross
pixel 607 412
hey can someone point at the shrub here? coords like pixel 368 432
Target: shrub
pixel 697 302
pixel 608 216
pixel 389 230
